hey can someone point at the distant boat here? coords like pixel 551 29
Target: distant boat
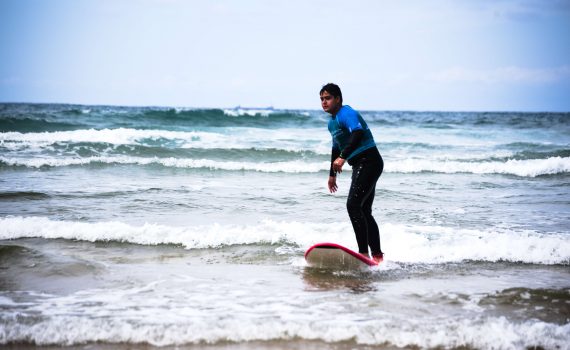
pixel 270 108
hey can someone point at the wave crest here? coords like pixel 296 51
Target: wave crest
pixel 522 168
pixel 409 244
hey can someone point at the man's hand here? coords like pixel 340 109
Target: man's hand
pixel 332 184
pixel 337 165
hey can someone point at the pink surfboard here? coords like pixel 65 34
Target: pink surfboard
pixel 335 256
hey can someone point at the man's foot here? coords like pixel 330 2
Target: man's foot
pixel 378 257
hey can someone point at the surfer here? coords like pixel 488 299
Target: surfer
pixel 352 142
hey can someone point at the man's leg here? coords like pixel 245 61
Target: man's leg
pixel 361 188
pixel 373 232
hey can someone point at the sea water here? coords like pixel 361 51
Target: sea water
pixel 186 228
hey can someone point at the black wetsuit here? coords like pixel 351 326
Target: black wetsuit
pixel 352 140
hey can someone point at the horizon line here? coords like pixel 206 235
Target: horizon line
pixel 287 109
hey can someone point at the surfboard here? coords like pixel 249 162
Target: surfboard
pixel 335 256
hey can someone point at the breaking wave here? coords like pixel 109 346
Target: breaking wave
pixel 409 244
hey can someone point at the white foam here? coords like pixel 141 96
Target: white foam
pixel 7 302
pixel 526 168
pixel 296 166
pixel 65 321
pixel 224 138
pixel 523 168
pixel 191 237
pixel 252 112
pixel 22 149
pixel 402 243
pixel 121 136
pixel 437 244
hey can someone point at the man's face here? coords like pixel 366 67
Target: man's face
pixel 329 103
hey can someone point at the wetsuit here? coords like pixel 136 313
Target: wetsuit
pixel 353 141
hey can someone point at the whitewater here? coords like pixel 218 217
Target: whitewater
pixel 128 227
pixel 411 244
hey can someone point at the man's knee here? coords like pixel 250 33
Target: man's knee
pixel 353 207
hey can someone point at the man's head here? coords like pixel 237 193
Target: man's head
pixel 331 98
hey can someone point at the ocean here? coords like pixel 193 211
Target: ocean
pixel 185 228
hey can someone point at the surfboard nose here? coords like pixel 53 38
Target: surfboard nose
pixel 335 256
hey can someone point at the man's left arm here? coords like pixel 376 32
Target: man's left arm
pixel 350 119
pixel 355 138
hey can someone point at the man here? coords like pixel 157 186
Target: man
pixel 353 142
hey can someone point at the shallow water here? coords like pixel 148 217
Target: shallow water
pixel 144 227
pixel 76 292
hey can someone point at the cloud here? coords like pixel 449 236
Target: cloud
pixel 510 74
pixel 522 10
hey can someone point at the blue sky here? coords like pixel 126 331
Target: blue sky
pixel 478 55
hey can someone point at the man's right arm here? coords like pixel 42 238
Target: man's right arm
pixel 335 153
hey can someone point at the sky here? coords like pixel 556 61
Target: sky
pixel 436 55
